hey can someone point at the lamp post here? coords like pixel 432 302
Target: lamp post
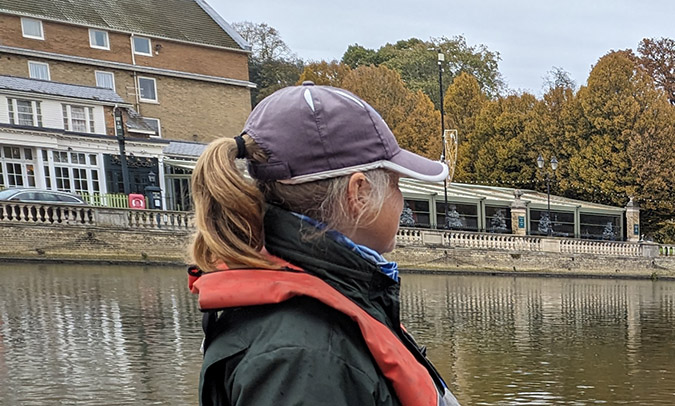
pixel 441 59
pixel 554 167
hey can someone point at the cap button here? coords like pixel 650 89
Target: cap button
pixel 308 83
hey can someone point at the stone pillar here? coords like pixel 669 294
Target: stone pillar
pixel 632 221
pixel 518 214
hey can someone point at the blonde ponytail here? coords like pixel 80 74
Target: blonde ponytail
pixel 228 210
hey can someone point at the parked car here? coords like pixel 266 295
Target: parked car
pixel 39 196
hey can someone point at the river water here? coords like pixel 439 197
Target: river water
pixel 112 335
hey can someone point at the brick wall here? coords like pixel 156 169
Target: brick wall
pixel 186 107
pixel 74 40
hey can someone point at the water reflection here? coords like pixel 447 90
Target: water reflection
pixel 125 336
pixel 541 341
pixel 97 336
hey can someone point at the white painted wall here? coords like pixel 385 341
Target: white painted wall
pixel 4 112
pixel 52 113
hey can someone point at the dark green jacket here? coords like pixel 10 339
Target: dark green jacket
pixel 302 352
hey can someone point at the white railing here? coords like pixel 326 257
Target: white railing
pixel 624 249
pixel 508 242
pixel 49 214
pixel 160 220
pixel 491 241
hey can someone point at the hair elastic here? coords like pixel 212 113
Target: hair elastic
pixel 241 147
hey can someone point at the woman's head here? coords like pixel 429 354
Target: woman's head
pixel 315 150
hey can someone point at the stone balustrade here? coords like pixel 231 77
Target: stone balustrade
pixel 48 214
pixel 162 220
pixel 509 242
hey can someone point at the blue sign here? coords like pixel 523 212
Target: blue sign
pixel 521 221
pixel 636 229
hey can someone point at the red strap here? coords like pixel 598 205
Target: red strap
pixel 234 288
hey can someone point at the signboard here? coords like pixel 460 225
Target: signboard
pixel 636 229
pixel 521 221
pixel 136 201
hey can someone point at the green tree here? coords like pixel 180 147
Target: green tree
pixel 416 61
pixel 501 152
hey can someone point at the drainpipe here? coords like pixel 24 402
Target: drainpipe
pixel 135 75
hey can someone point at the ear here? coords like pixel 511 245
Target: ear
pixel 357 190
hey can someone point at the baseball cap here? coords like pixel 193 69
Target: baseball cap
pixel 312 132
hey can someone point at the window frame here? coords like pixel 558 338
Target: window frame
pixel 13 111
pixel 149 46
pixel 36 63
pixel 23 29
pixel 140 94
pixel 112 75
pixel 159 127
pixel 89 118
pixel 92 36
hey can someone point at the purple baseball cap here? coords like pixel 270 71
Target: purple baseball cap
pixel 312 132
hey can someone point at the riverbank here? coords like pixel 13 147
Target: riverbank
pixel 95 244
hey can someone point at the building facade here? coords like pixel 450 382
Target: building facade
pixel 179 70
pixel 181 66
pixel 63 137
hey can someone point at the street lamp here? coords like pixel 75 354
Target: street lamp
pixel 554 167
pixel 152 178
pixel 441 59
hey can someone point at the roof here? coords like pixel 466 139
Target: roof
pixel 184 149
pixel 47 87
pixel 498 196
pixel 183 20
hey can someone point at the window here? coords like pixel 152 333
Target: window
pixel 17 167
pixel 498 219
pixel 142 46
pixel 38 70
pixel 32 28
pixel 24 112
pixel 560 223
pixel 78 119
pixel 99 39
pixel 105 80
pixel 461 216
pixel 148 89
pixel 75 172
pixel 600 227
pixel 154 123
pixel 415 214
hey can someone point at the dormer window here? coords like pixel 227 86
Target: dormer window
pixel 142 46
pixel 31 28
pixel 79 119
pixel 24 112
pixel 99 39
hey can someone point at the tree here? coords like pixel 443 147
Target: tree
pixel 272 65
pixel 410 115
pixel 463 103
pixel 657 57
pixel 416 61
pixel 265 41
pixel 325 73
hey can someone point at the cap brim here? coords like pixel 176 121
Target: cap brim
pixel 415 166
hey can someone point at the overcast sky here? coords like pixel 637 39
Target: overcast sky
pixel 531 36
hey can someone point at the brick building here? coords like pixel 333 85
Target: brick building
pixel 177 65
